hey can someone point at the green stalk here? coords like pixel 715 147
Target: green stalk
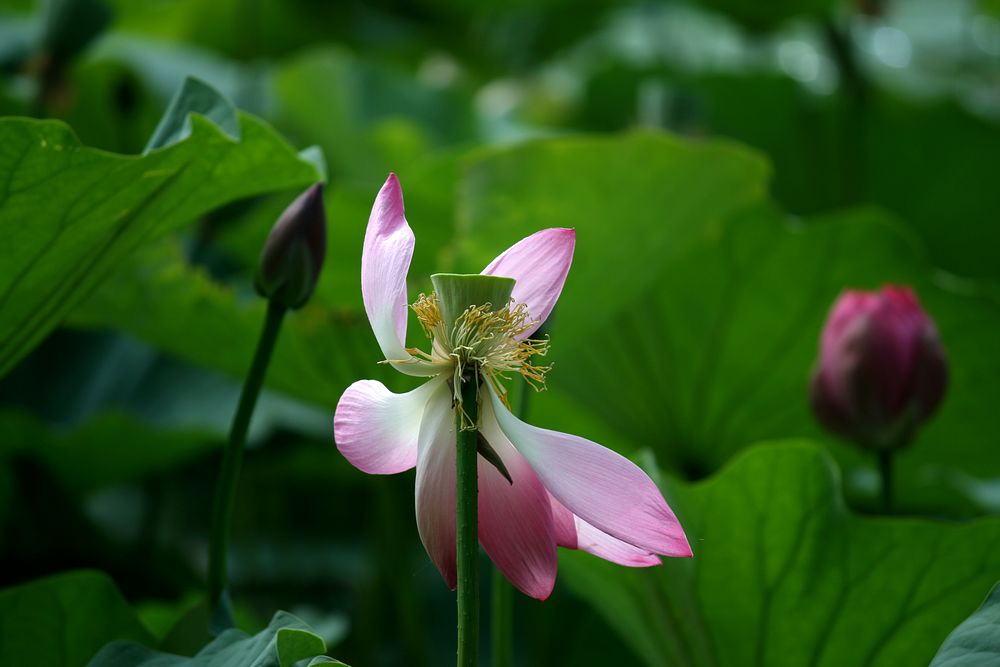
pixel 225 490
pixel 467 525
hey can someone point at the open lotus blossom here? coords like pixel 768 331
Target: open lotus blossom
pixel 559 489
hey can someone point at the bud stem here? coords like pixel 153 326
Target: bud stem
pixel 885 472
pixel 467 520
pixel 225 490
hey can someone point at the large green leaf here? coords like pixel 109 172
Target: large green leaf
pixel 928 161
pixel 284 642
pixel 693 329
pixel 368 119
pixel 783 574
pixel 320 351
pixel 70 214
pixel 63 620
pixel 976 642
pixel 323 347
pixel 637 201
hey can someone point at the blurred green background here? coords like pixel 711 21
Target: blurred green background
pixel 729 166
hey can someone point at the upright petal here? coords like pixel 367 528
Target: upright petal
pixel 515 520
pixel 385 261
pixel 601 487
pixel 539 264
pixel 376 430
pixel 435 486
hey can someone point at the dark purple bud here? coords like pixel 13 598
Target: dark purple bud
pixel 293 253
pixel 882 370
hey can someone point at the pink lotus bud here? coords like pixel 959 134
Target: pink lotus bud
pixel 293 253
pixel 882 370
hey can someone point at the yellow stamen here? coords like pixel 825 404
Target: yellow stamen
pixel 485 341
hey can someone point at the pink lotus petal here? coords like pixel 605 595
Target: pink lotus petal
pixel 598 485
pixel 604 546
pixel 578 534
pixel 435 486
pixel 515 520
pixel 539 264
pixel 385 261
pixel 376 430
pixel 564 523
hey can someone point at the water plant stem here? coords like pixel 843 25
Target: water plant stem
pixel 225 490
pixel 467 524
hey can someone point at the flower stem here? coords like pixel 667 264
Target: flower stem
pixel 225 490
pixel 885 472
pixel 467 520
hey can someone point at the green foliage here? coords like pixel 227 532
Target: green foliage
pixel 976 642
pixel 194 97
pixel 229 325
pixel 63 620
pixel 784 574
pixel 68 26
pixel 112 448
pixel 762 16
pixel 686 333
pixel 908 156
pixel 89 210
pixel 683 329
pixel 285 641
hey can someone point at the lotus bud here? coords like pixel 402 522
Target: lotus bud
pixel 292 257
pixel 882 369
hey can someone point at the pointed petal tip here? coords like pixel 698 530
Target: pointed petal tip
pixel 391 194
pixel 598 485
pixel 539 264
pixel 543 595
pixel 675 545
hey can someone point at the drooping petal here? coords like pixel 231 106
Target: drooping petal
pixel 573 532
pixel 602 545
pixel 515 520
pixel 376 430
pixel 385 261
pixel 539 264
pixel 435 485
pixel 598 485
pixel 564 523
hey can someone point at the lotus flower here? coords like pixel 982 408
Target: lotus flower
pixel 548 488
pixel 882 369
